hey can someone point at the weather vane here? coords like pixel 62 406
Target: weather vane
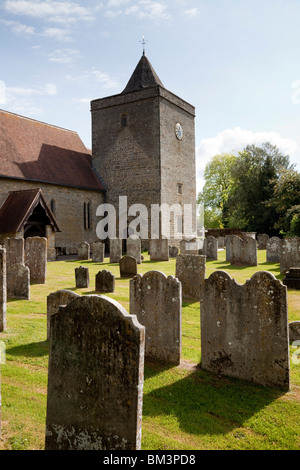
pixel 144 43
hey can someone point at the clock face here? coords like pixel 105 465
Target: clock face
pixel 178 131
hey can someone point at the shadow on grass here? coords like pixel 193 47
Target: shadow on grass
pixel 203 403
pixel 226 265
pixel 39 349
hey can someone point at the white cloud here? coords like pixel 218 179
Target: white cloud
pixel 141 9
pixel 95 76
pixel 63 56
pixel 235 140
pixel 59 34
pixel 192 12
pixel 18 28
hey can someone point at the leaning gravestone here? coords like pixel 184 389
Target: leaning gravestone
pixel 84 251
pixel 14 251
pixel 54 300
pixel 95 378
pixel 290 254
pixel 156 301
pixel 3 295
pixel 18 282
pixel 36 259
pixel 190 271
pixel 104 282
pixel 98 252
pixel 128 266
pixel 134 248
pixel 115 250
pixel 159 249
pixel 273 248
pixel 244 329
pixel 82 277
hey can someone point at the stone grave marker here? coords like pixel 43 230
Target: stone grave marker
pixel 190 271
pixel 18 282
pixel 104 282
pixel 36 259
pixel 128 266
pixel 82 277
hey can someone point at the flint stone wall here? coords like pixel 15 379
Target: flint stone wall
pixel 3 294
pixel 128 266
pixel 95 381
pixel 190 271
pixel 115 250
pixel 159 249
pixel 273 248
pixel 244 329
pixel 18 282
pixel 14 251
pixel 156 301
pixel 98 252
pixel 134 248
pixel 84 251
pixel 243 251
pixel 290 254
pixel 36 259
pixel 104 281
pixel 82 277
pixel 54 300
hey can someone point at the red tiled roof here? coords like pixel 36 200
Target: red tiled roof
pixel 19 206
pixel 36 151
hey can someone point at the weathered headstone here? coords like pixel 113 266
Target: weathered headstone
pixel 210 248
pixel 18 282
pixel 115 250
pixel 294 331
pixel 290 254
pixel 84 251
pixel 227 242
pixel 243 251
pixel 134 248
pixel 159 249
pixel 128 266
pixel 244 329
pixel 221 242
pixel 292 278
pixel 98 252
pixel 54 300
pixel 36 259
pixel 14 251
pixel 156 301
pixel 173 251
pixel 190 271
pixel 262 240
pixel 3 295
pixel 95 378
pixel 82 277
pixel 104 282
pixel 189 247
pixel 273 248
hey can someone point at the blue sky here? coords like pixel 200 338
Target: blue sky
pixel 236 61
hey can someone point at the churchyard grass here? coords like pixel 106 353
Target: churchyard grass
pixel 184 407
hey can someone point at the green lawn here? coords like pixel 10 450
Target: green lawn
pixel 184 408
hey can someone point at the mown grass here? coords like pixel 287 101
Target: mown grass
pixel 184 407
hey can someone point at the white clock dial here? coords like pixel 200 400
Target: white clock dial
pixel 178 131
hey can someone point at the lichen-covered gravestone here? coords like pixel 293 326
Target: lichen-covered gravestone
pixel 273 248
pixel 243 251
pixel 134 248
pixel 210 248
pixel 98 252
pixel 115 250
pixel 159 249
pixel 173 251
pixel 262 240
pixel 290 254
pixel 14 251
pixel 104 281
pixel 82 277
pixel 128 266
pixel 294 331
pixel 244 329
pixel 18 282
pixel 156 301
pixel 3 295
pixel 36 259
pixel 95 378
pixel 190 271
pixel 84 251
pixel 54 300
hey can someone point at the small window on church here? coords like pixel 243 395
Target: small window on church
pixel 87 215
pixel 179 188
pixel 124 120
pixel 52 206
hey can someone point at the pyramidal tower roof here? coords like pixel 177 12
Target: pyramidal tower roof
pixel 144 76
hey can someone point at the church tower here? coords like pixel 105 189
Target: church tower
pixel 143 143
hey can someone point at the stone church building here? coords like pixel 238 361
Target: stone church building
pixel 143 147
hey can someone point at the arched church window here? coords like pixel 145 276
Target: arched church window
pixel 124 120
pixel 87 215
pixel 52 206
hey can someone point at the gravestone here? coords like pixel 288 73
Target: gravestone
pixel 227 242
pixel 290 254
pixel 262 240
pixel 128 266
pixel 210 248
pixel 3 295
pixel 159 249
pixel 14 251
pixel 84 251
pixel 156 301
pixel 98 252
pixel 221 242
pixel 190 271
pixel 173 251
pixel 82 277
pixel 244 329
pixel 115 250
pixel 54 300
pixel 292 278
pixel 273 248
pixel 36 259
pixel 134 248
pixel 95 377
pixel 189 247
pixel 294 331
pixel 243 251
pixel 104 282
pixel 18 282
